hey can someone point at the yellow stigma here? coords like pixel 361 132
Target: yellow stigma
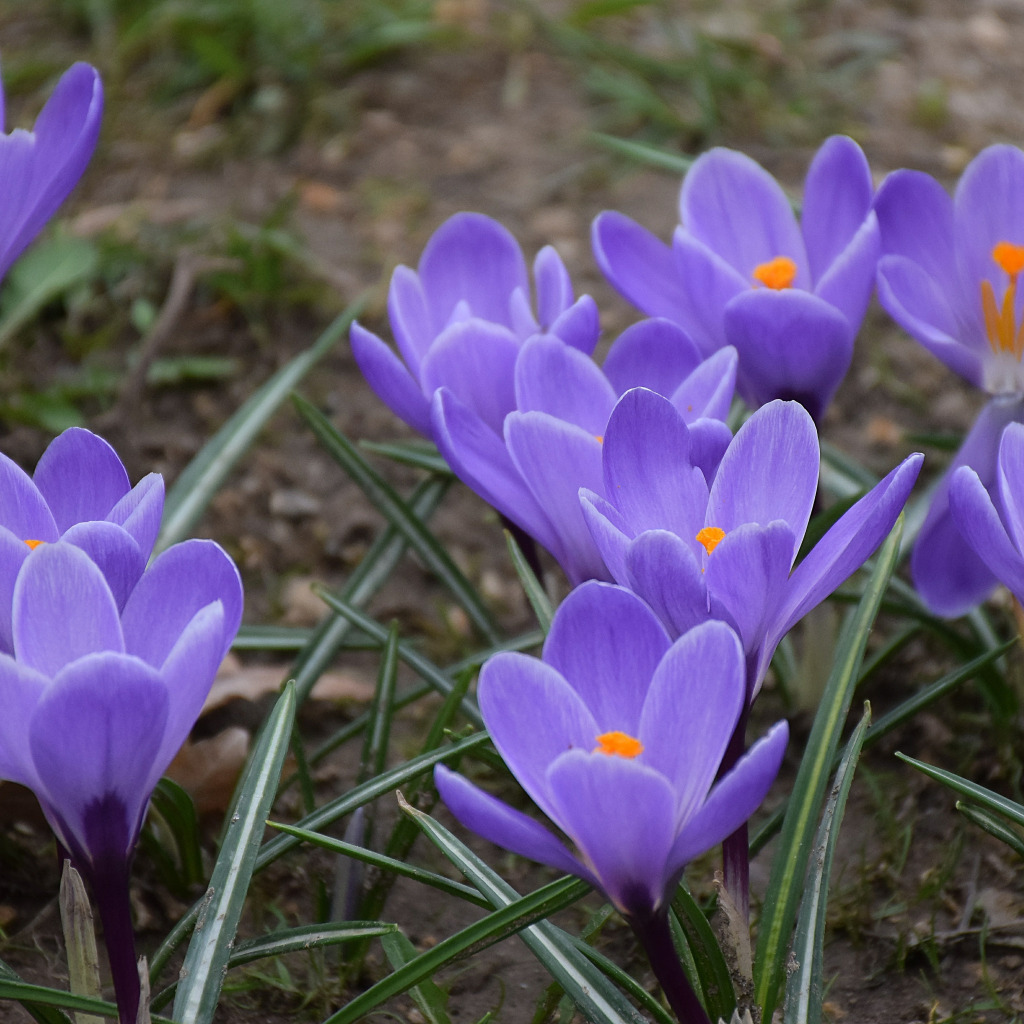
pixel 33 544
pixel 710 537
pixel 618 744
pixel 599 438
pixel 1000 318
pixel 778 273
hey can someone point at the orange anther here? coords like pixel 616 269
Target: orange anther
pixel 618 744
pixel 710 537
pixel 778 273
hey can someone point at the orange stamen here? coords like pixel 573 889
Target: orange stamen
pixel 1000 318
pixel 618 744
pixel 778 273
pixel 710 537
pixel 1010 257
pixel 33 544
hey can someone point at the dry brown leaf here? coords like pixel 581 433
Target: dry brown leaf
pixel 208 769
pixel 251 682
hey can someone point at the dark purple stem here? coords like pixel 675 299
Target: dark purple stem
pixel 110 887
pixel 654 934
pixel 736 847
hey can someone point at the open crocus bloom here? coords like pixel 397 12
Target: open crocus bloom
pixel 550 445
pixel 789 296
pixel 462 317
pixel 725 549
pixel 948 275
pixel 617 734
pixel 994 529
pixel 39 168
pixel 80 493
pixel 97 701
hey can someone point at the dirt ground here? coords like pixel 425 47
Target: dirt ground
pixel 928 917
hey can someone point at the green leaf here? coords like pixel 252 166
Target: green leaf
pixel 201 479
pixel 419 454
pixel 535 593
pixel 596 997
pixel 789 866
pixel 49 268
pixel 709 963
pixel 390 505
pixel 210 949
pixel 994 825
pixel 805 987
pixel 41 1013
pixel 430 998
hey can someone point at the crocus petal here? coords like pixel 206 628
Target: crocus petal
pixel 769 472
pixel 188 673
pixel 694 701
pixel 979 223
pixel 948 575
pixel 707 393
pixel 94 735
pixel 919 304
pixel 848 543
pixel 791 344
pixel 655 353
pixel 63 609
pixel 81 478
pixel 182 580
pixel 646 467
pixel 851 278
pixel 627 851
pixel 57 151
pixel 640 267
pixel 13 552
pixel 23 510
pixel 734 799
pixel 709 283
pixel 472 257
pixel 475 360
pixel 746 576
pixel 606 643
pixel 22 688
pixel 556 459
pixel 663 570
pixel 837 199
pixel 140 510
pixel 580 325
pixel 410 318
pixel 480 459
pixel 979 524
pixel 1010 473
pixel 505 826
pixel 734 206
pixel 554 286
pixel 389 378
pixel 608 530
pixel 554 378
pixel 709 441
pixel 534 715
pixel 115 552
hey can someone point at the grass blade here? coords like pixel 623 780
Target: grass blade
pixel 210 949
pixel 387 501
pixel 789 867
pixel 709 963
pixel 805 988
pixel 993 825
pixel 535 593
pixel 41 1013
pixel 203 476
pixel 430 998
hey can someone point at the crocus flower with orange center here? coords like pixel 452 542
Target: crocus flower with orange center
pixel 788 295
pixel 950 276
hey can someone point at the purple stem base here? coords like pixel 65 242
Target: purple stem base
pixel 655 935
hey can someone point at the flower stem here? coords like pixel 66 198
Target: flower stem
pixel 736 847
pixel 110 886
pixel 654 934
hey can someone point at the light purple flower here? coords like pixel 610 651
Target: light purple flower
pixel 461 318
pixel 725 550
pixel 789 296
pixel 98 699
pixel 990 515
pixel 948 275
pixel 39 168
pixel 550 445
pixel 617 735
pixel 79 493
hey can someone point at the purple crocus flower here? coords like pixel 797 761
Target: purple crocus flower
pixel 618 734
pixel 948 275
pixel 725 549
pixel 789 296
pixel 550 445
pixel 39 168
pixel 97 700
pixel 462 317
pixel 80 493
pixel 990 517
